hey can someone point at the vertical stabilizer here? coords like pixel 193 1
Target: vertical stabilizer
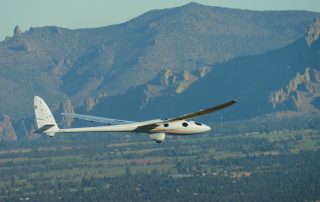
pixel 44 118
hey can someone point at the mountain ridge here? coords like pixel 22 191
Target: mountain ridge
pixel 287 64
pixel 156 55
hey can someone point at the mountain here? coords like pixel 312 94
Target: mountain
pixel 56 62
pixel 148 64
pixel 284 79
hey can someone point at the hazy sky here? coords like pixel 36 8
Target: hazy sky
pixel 97 13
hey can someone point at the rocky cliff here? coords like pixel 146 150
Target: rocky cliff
pixel 303 89
pixel 313 31
pixel 7 132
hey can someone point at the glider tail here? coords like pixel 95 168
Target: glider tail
pixel 44 118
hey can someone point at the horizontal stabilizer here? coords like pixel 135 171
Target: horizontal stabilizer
pixel 44 128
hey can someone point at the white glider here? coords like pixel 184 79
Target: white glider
pixel 157 128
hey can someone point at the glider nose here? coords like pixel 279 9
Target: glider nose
pixel 206 128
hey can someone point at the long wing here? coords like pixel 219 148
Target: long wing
pixel 202 112
pixel 97 119
pixel 110 121
pixel 189 116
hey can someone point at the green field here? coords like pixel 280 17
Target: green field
pixel 29 169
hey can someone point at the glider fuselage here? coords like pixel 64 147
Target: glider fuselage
pixel 172 128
